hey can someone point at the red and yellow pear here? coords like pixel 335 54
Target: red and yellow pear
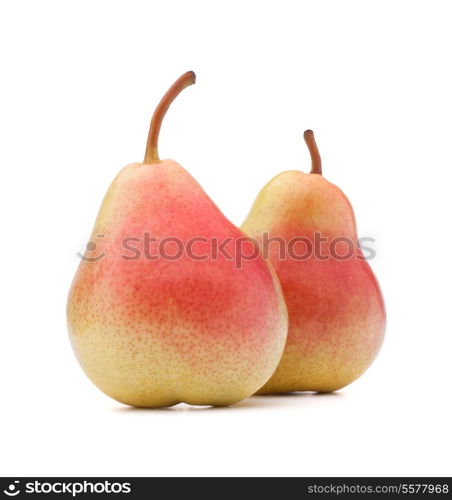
pixel 336 311
pixel 154 326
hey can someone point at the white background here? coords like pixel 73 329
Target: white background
pixel 79 82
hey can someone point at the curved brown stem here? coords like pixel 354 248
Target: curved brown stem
pixel 151 155
pixel 314 152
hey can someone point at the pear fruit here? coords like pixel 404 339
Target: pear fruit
pixel 161 310
pixel 306 227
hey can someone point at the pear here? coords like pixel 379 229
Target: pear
pixel 161 309
pixel 307 228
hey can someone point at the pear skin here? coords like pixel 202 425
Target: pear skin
pixel 155 326
pixel 336 310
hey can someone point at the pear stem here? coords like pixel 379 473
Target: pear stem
pixel 314 152
pixel 152 155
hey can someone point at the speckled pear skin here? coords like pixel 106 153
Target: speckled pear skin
pixel 154 333
pixel 336 310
